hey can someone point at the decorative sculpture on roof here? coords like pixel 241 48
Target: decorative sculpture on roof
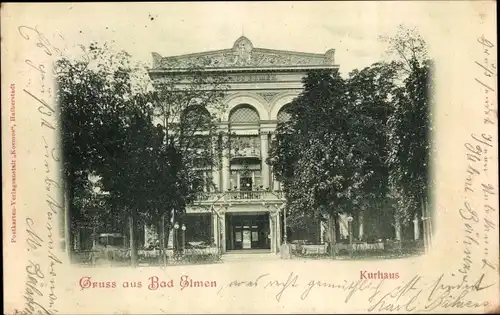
pixel 243 51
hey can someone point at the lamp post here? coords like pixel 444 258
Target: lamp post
pixel 285 237
pixel 349 228
pixel 176 236
pixel 183 237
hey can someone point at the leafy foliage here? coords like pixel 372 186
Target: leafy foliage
pixel 143 144
pixel 360 144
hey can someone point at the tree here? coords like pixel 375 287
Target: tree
pixel 92 91
pixel 109 112
pixel 410 125
pixel 371 93
pixel 342 149
pixel 405 47
pixel 314 154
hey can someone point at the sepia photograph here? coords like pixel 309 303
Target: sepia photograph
pixel 246 152
pixel 271 154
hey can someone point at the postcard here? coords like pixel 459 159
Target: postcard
pixel 250 157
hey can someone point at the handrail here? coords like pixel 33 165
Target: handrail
pixel 240 195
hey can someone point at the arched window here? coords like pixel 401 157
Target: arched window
pixel 244 114
pixel 283 114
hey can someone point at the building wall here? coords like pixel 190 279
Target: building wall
pixel 261 83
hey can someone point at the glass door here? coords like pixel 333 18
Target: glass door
pixel 246 183
pixel 248 232
pixel 238 237
pixel 247 238
pixel 246 187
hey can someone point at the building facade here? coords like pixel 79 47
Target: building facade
pixel 244 210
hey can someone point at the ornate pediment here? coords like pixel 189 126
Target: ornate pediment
pixel 244 55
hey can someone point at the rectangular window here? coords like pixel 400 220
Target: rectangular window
pixel 257 179
pixel 234 180
pixel 276 183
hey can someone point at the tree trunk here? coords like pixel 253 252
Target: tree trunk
pixel 158 235
pixel 332 234
pixel 162 240
pixel 426 226
pixel 133 244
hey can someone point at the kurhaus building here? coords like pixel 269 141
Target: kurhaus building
pixel 245 210
pixel 243 207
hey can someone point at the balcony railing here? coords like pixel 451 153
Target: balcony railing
pixel 246 195
pixel 250 152
pixel 240 195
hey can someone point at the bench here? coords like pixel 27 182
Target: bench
pixel 314 249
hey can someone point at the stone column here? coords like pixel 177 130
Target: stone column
pixel 397 227
pixel 416 228
pixel 360 226
pixel 272 228
pixel 278 231
pixel 272 184
pixel 222 231
pixel 225 164
pixel 215 170
pixel 264 150
pixel 215 229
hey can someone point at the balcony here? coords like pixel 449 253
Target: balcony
pixel 241 196
pixel 245 153
pixel 246 195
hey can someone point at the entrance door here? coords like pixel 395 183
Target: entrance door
pixel 247 238
pixel 247 231
pixel 243 237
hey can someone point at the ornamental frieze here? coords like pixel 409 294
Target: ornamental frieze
pixel 244 55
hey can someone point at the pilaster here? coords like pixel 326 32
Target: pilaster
pixel 278 231
pixel 215 229
pixel 225 163
pixel 264 151
pixel 272 232
pixel 216 168
pixel 222 230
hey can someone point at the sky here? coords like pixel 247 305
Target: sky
pixel 351 28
